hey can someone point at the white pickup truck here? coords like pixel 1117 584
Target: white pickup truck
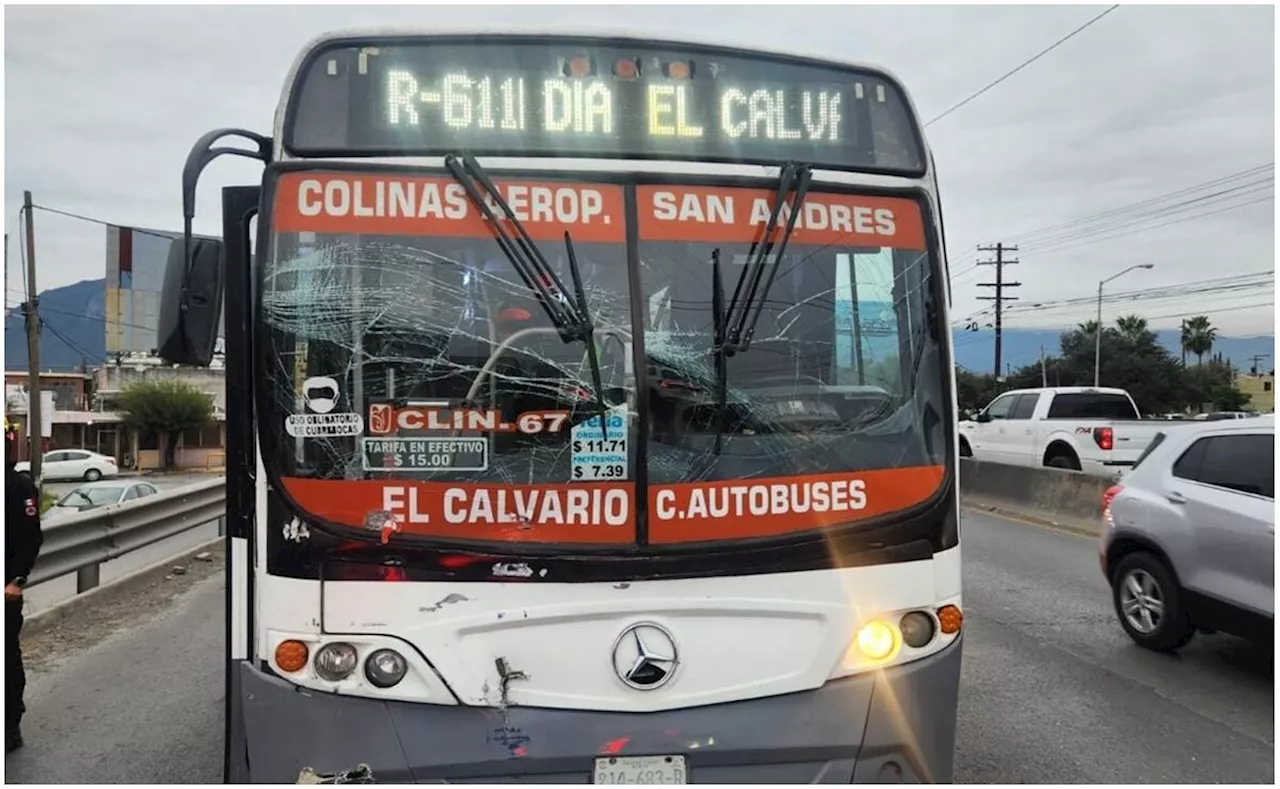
pixel 1099 431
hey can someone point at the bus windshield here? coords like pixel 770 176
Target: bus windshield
pixel 412 375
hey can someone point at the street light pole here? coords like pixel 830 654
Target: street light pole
pixel 1097 332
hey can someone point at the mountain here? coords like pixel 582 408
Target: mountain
pixel 976 350
pixel 77 313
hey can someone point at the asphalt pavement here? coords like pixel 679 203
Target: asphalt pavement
pixel 1052 690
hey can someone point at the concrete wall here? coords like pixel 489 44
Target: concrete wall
pixel 1065 498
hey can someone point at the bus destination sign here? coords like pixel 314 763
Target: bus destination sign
pixel 531 98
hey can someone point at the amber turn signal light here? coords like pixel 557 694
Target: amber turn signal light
pixel 291 655
pixel 950 618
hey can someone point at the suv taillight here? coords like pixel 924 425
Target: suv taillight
pixel 1104 437
pixel 1109 497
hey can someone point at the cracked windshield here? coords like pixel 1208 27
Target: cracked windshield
pixel 766 380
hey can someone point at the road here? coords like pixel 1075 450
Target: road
pixel 1052 690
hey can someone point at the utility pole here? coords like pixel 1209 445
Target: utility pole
pixel 1044 375
pixel 1257 361
pixel 31 311
pixel 1000 286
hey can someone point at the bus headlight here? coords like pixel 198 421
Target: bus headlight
pixel 335 662
pixel 917 628
pixel 385 668
pixel 878 640
pixel 893 638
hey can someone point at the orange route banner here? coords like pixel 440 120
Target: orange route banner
pixel 389 204
pixel 604 513
pixel 772 507
pixel 584 513
pixel 726 214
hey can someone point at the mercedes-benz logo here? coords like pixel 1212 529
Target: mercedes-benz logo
pixel 644 656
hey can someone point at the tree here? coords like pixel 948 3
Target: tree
pixel 166 407
pixel 1200 336
pixel 1132 327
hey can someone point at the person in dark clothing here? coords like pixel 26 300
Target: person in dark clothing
pixel 22 541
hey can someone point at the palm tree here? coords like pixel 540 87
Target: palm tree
pixel 1132 327
pixel 1200 336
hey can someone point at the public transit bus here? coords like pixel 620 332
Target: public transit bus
pixel 590 417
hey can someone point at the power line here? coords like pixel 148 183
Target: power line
pixel 131 228
pixel 1087 237
pixel 1050 229
pixel 1137 217
pixel 1177 290
pixel 1024 64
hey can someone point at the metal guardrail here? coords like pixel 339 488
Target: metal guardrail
pixel 80 543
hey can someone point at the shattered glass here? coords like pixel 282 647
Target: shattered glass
pixel 422 320
pixel 845 373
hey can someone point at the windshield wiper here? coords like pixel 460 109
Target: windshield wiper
pixel 735 325
pixel 740 318
pixel 719 325
pixel 572 320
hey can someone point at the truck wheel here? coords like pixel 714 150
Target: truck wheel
pixel 1062 459
pixel 1149 605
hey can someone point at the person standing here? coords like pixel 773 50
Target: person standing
pixel 22 541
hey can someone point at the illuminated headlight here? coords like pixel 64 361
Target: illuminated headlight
pixel 335 662
pixel 893 638
pixel 878 640
pixel 385 668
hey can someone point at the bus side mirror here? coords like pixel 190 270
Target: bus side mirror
pixel 191 303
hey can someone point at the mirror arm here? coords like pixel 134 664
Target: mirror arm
pixel 202 153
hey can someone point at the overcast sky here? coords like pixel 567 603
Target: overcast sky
pixel 102 105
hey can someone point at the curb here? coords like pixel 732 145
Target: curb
pixel 43 620
pixel 1031 518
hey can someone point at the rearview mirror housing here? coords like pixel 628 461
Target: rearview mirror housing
pixel 191 303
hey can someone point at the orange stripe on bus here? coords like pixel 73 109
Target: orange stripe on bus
pixel 725 214
pixel 604 513
pixel 772 507
pixel 408 206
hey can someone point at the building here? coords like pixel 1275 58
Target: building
pixel 141 450
pixel 1261 391
pixel 72 423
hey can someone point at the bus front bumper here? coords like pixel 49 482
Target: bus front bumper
pixel 891 726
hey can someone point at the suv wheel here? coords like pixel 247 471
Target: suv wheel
pixel 1147 601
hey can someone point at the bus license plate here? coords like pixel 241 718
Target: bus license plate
pixel 641 770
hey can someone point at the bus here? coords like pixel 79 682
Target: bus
pixel 590 417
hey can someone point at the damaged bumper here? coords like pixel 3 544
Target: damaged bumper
pixel 897 725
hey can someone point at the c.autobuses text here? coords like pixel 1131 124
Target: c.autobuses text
pixel 776 498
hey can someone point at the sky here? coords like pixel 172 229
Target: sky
pixel 102 105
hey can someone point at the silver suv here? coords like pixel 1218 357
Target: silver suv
pixel 1189 536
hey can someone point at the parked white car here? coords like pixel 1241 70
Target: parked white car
pixel 1189 542
pixel 1099 431
pixel 73 464
pixel 92 495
